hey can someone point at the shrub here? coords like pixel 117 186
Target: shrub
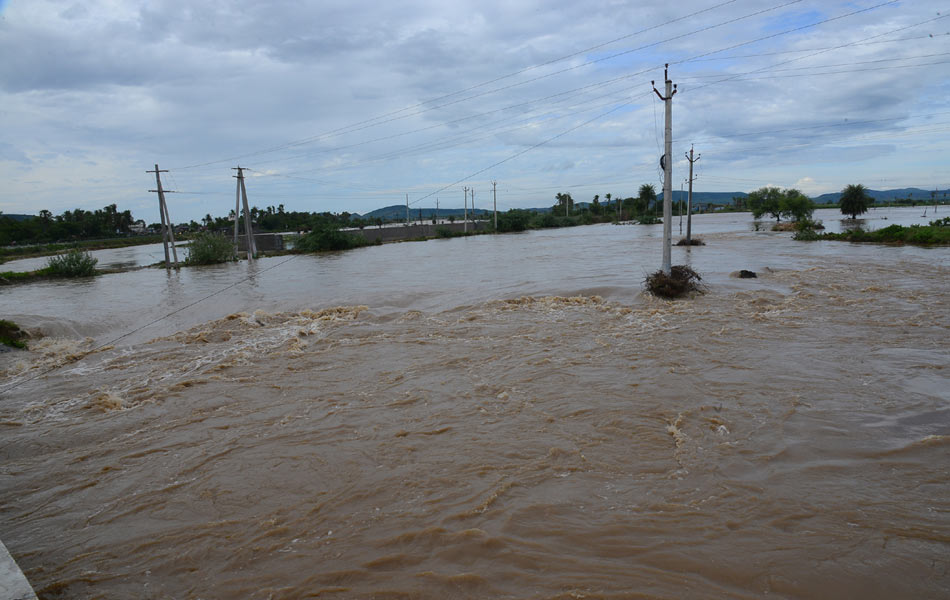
pixel 514 220
pixel 210 249
pixel 327 237
pixel 75 263
pixel 806 235
pixel 444 232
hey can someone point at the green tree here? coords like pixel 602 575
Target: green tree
pixel 854 200
pixel 766 200
pixel 797 205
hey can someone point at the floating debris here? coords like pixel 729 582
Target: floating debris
pixel 681 281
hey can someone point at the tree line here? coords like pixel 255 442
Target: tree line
pixel 108 222
pixel 71 225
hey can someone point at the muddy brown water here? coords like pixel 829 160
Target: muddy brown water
pixel 445 423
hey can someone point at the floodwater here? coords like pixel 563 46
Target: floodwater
pixel 488 417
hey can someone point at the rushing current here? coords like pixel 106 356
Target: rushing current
pixel 501 416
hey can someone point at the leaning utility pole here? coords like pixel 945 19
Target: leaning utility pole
pixel 167 233
pixel 465 227
pixel 689 204
pixel 494 195
pixel 248 229
pixel 667 169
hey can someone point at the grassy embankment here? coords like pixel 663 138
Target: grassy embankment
pixel 33 251
pixel 937 233
pixel 75 263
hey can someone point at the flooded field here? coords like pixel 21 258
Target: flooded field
pixel 488 417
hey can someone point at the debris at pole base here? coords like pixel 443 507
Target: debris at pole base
pixel 746 274
pixel 681 281
pixel 690 242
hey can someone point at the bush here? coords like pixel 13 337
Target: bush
pixel 806 235
pixel 210 249
pixel 75 263
pixel 514 220
pixel 444 232
pixel 328 237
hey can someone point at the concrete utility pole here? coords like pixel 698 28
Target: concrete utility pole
pixel 248 229
pixel 667 169
pixel 494 194
pixel 689 204
pixel 167 233
pixel 474 214
pixel 465 226
pixel 437 210
pixel 237 208
pixel 680 203
pixel 407 210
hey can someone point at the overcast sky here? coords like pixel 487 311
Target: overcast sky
pixel 345 105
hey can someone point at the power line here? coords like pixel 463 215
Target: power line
pixel 613 80
pixel 847 64
pixel 610 81
pixel 737 76
pixel 777 53
pixel 820 126
pixel 390 117
pixel 526 150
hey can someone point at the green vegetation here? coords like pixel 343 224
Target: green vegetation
pixel 209 249
pixel 854 200
pixel 16 252
pixel 75 263
pixel 328 237
pixel 937 233
pixel 11 334
pixel 71 225
pixel 789 203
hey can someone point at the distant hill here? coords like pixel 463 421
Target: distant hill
pixel 17 217
pixel 397 212
pixel 921 196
